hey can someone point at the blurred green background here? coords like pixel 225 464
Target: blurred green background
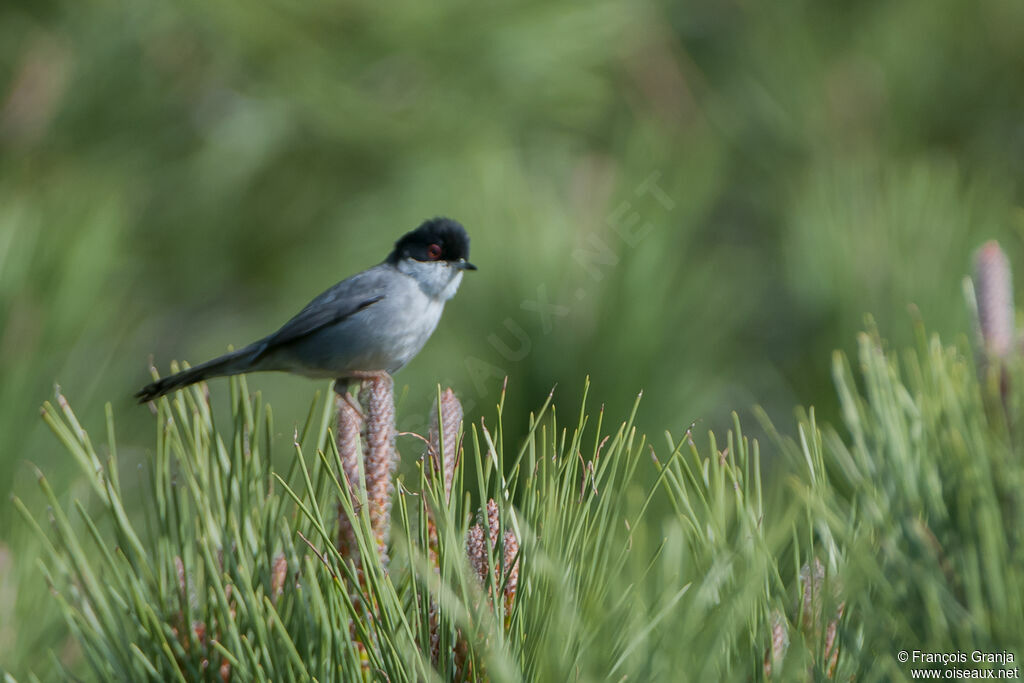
pixel 699 199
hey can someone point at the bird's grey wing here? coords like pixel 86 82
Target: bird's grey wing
pixel 341 301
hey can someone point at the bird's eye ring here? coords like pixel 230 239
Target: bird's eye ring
pixel 434 252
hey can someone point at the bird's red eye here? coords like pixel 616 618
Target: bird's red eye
pixel 434 252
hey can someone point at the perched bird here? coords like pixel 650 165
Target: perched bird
pixel 372 322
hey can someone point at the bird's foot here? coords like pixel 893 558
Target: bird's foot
pixel 371 377
pixel 347 397
pixel 341 386
pixel 341 389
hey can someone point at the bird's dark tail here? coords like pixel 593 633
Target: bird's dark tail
pixel 232 363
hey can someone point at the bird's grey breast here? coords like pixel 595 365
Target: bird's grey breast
pixel 404 323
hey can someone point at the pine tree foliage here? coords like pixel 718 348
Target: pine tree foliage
pixel 579 552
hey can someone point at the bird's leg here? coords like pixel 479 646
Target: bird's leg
pixel 341 388
pixel 364 376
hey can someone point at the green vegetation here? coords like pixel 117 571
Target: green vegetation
pixel 906 534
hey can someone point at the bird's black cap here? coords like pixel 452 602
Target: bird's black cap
pixel 438 239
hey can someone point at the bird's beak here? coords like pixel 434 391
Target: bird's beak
pixel 463 264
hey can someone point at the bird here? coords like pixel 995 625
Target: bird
pixel 373 322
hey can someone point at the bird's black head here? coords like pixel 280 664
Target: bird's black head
pixel 438 239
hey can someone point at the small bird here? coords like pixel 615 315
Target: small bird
pixel 372 322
